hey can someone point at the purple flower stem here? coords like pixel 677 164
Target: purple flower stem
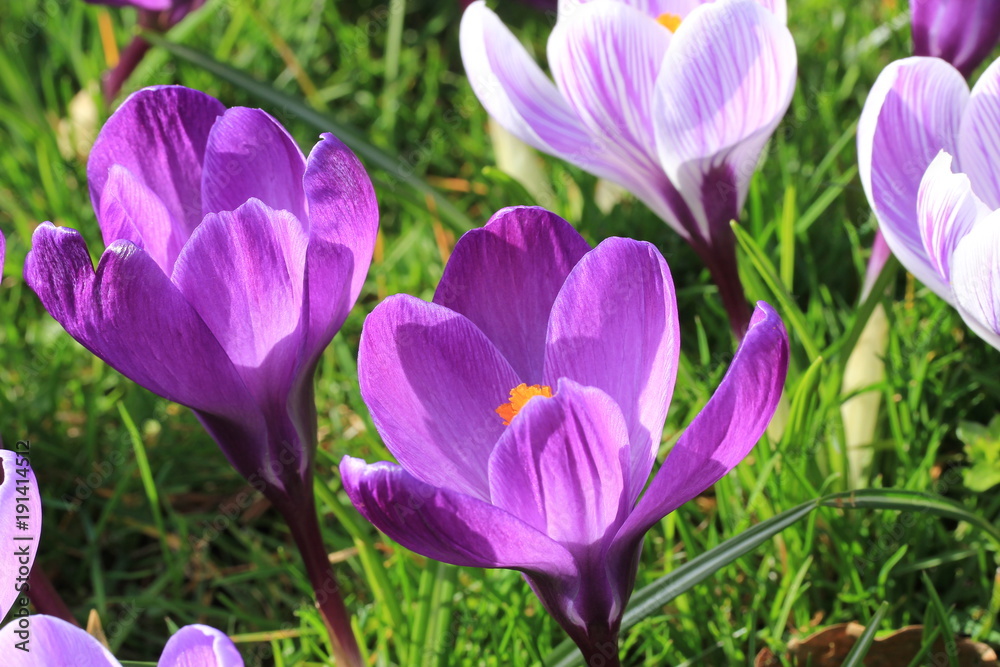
pixel 46 598
pixel 299 510
pixel 600 647
pixel 116 77
pixel 721 263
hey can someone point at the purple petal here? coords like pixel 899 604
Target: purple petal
pixel 562 466
pixel 880 255
pixel 963 32
pixel 130 211
pixel 432 382
pixel 150 5
pixel 527 104
pixel 200 646
pixel 505 277
pixel 912 112
pixel 947 209
pixel 250 155
pixel 159 134
pixel 447 525
pixel 979 135
pixel 605 58
pixel 52 642
pixel 975 278
pixel 130 315
pixel 726 81
pixel 614 326
pixel 723 432
pixel 343 222
pixel 20 502
pixel 243 272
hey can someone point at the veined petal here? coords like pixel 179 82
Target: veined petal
pixel 680 8
pixel 343 221
pixel 963 32
pixel 614 326
pixel 129 314
pixel 723 432
pixel 243 272
pixel 449 526
pixel 979 135
pixel 432 382
pixel 53 643
pixel 605 58
pixel 131 211
pixel 505 276
pixel 527 104
pixel 18 488
pixel 250 155
pixel 975 278
pixel 200 646
pixel 912 112
pixel 159 134
pixel 726 81
pixel 947 209
pixel 562 467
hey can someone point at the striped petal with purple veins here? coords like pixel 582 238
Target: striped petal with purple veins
pixel 19 498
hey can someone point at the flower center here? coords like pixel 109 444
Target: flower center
pixel 669 21
pixel 519 397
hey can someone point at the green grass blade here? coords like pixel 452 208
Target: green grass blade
pixel 950 649
pixel 857 654
pixel 321 121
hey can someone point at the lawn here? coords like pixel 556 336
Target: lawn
pixel 147 524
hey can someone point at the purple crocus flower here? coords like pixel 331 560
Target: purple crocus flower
pixel 673 99
pixel 231 262
pixel 963 32
pixel 526 405
pixel 918 107
pixel 46 641
pixel 20 524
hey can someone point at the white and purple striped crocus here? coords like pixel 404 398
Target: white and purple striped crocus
pixel 672 99
pixel 21 527
pixel 963 32
pixel 51 642
pixel 919 125
pixel 525 406
pixel 231 262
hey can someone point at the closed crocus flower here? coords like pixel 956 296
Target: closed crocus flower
pixel 51 642
pixel 231 262
pixel 674 100
pixel 918 107
pixel 525 406
pixel 963 32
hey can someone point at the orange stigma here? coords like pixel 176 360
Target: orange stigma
pixel 669 21
pixel 519 397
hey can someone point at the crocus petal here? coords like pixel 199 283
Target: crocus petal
pixel 242 271
pixel 432 382
pixel 605 58
pixel 21 525
pixel 200 646
pixel 963 32
pixel 726 81
pixel 614 326
pixel 975 278
pixel 343 219
pixel 723 432
pixel 680 8
pixel 131 211
pixel 159 134
pixel 912 112
pixel 129 314
pixel 527 104
pixel 249 154
pixel 150 5
pixel 946 210
pixel 979 136
pixel 505 276
pixel 52 642
pixel 446 525
pixel 562 466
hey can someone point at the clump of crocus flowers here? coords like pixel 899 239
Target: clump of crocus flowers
pixel 525 405
pixel 231 262
pixel 675 107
